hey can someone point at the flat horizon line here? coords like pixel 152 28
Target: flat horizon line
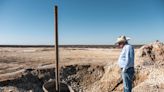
pixel 77 45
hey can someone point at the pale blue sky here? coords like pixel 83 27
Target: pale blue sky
pixel 81 21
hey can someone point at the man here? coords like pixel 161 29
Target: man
pixel 126 62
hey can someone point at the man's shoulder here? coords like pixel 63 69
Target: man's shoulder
pixel 128 46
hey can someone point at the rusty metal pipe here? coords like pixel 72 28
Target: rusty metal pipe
pixel 57 77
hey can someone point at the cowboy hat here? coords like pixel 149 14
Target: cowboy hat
pixel 122 39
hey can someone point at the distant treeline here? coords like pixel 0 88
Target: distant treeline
pixel 67 46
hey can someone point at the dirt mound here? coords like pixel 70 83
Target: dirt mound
pixel 27 80
pixel 79 77
pixel 151 54
pixel 150 61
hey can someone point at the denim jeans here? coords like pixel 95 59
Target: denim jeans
pixel 127 77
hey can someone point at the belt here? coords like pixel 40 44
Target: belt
pixel 128 68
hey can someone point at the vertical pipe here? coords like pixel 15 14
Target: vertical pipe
pixel 57 51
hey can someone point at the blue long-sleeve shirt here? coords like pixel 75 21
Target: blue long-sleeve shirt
pixel 126 59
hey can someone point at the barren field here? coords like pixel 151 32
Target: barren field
pixel 83 69
pixel 14 59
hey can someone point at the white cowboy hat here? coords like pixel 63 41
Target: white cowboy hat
pixel 122 39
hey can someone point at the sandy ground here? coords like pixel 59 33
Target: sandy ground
pixel 93 70
pixel 14 59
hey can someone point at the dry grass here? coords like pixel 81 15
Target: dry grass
pixel 13 59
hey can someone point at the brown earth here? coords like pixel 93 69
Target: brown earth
pixel 83 69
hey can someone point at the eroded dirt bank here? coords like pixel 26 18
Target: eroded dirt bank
pixel 81 78
pixel 93 77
